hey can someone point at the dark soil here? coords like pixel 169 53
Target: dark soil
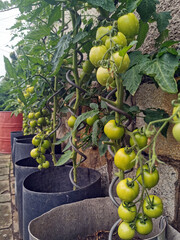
pixel 103 235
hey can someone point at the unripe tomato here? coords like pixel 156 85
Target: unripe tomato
pixel 96 54
pixel 129 25
pixel 37 115
pixel 150 179
pixel 30 89
pixel 26 95
pixel 112 131
pixel 124 160
pixel 103 76
pixel 45 112
pixel 41 159
pixel 19 101
pixel 177 116
pixel 125 192
pixel 176 132
pixel 102 31
pixel 153 208
pixel 41 121
pixel 144 226
pixel 90 120
pixel 46 144
pixel 39 166
pixel 31 115
pixel 141 139
pixel 46 164
pixel 42 150
pixel 36 141
pixel 127 213
pixel 33 123
pixel 71 121
pixel 34 153
pixel 122 64
pixel 88 67
pixel 125 231
pixel 119 39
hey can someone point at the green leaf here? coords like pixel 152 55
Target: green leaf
pixel 61 49
pixel 168 43
pixel 54 16
pixel 162 19
pixel 80 36
pixel 95 133
pixel 146 9
pixel 131 5
pixel 38 34
pixel 63 139
pixel 162 69
pixel 132 79
pixel 64 158
pixel 143 30
pixel 163 35
pixel 94 106
pixel 9 68
pixel 83 117
pixel 107 5
pixel 125 49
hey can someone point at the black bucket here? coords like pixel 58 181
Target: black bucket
pixel 24 168
pixel 19 138
pixel 46 189
pixel 14 135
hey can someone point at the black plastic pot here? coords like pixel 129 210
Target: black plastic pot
pixel 85 218
pixel 24 168
pixel 22 149
pixel 50 188
pixel 14 135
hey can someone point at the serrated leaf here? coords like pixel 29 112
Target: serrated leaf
pixel 64 158
pixel 168 43
pixel 80 36
pixel 143 30
pixel 83 117
pixel 9 68
pixel 162 69
pixel 162 19
pixel 163 35
pixel 132 79
pixel 131 5
pixel 61 48
pixel 146 9
pixel 107 5
pixel 94 106
pixel 38 34
pixel 54 16
pixel 63 139
pixel 95 133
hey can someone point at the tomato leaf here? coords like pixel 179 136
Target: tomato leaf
pixel 64 158
pixel 162 19
pixel 132 79
pixel 132 5
pixel 80 36
pixel 54 16
pixel 9 68
pixel 143 30
pixel 39 33
pixel 83 117
pixel 95 132
pixel 107 5
pixel 63 139
pixel 162 69
pixel 146 9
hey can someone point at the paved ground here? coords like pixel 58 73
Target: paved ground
pixel 8 213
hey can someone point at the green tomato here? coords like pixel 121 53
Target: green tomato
pixel 129 25
pixel 46 164
pixel 96 54
pixel 36 141
pixel 41 121
pixel 90 120
pixel 122 64
pixel 177 116
pixel 150 179
pixel 31 115
pixel 119 39
pixel 176 131
pixel 88 67
pixel 34 153
pixel 41 159
pixel 127 212
pixel 124 160
pixel 42 150
pixel 102 31
pixel 71 121
pixel 30 89
pixel 141 139
pixel 112 131
pixel 37 115
pixel 125 192
pixel 153 206
pixel 33 123
pixel 46 144
pixel 125 231
pixel 144 225
pixel 103 76
pixel 45 112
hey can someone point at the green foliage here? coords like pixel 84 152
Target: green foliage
pixel 64 158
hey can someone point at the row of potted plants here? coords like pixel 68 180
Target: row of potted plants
pixel 52 78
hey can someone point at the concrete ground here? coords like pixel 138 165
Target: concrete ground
pixel 8 212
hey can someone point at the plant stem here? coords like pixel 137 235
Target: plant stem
pixel 119 98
